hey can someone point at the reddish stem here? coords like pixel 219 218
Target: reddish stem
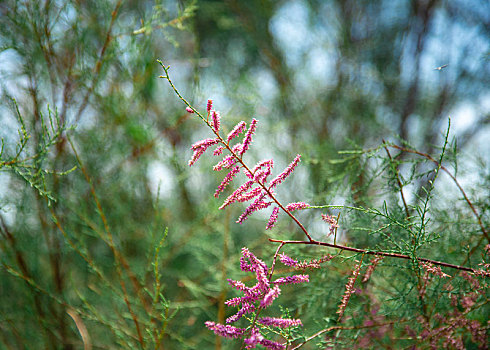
pixel 370 252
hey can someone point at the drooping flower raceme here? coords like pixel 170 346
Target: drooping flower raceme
pixel 256 298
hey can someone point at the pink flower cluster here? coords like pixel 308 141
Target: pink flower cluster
pixel 257 188
pixel 435 270
pixel 349 290
pixel 254 298
pixel 332 222
pixel 313 263
pixel 370 269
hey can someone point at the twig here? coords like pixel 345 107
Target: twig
pixel 342 328
pixel 427 156
pixel 98 64
pixel 400 185
pixel 372 252
pixel 237 157
pixel 117 255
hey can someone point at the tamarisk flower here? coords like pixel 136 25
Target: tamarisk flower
pixel 259 296
pixel 237 130
pixel 370 269
pixel 435 270
pixel 201 147
pixel 248 136
pixel 292 279
pixel 331 221
pixel 225 331
pixel 296 206
pixel 288 171
pixel 227 180
pixel 279 322
pixel 288 261
pixel 257 338
pixel 218 150
pixel 261 195
pixel 273 218
pixel 349 289
pixel 313 263
pixel 215 119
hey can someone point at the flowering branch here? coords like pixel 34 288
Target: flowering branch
pixel 260 192
pixel 372 252
pixel 258 176
pixel 254 300
pixel 265 190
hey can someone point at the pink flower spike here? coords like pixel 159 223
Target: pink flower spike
pixel 237 130
pixel 270 296
pixel 227 162
pixel 286 260
pixel 255 262
pixel 273 219
pixel 248 136
pixel 329 219
pixel 282 176
pixel 200 147
pixel 225 331
pixel 209 106
pixel 227 180
pixel 204 143
pixel 234 301
pixel 332 222
pixel 249 195
pixel 254 339
pixel 349 290
pixel 292 279
pixel 215 118
pixel 234 196
pixel 259 174
pixel 280 322
pixel 435 270
pixel 258 204
pixel 272 345
pixel 246 309
pixel 269 163
pixel 195 156
pixel 296 206
pixel 370 269
pixel 189 110
pixel 237 284
pixel 237 148
pixel 218 150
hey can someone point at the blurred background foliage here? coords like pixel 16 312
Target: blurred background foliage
pixel 87 260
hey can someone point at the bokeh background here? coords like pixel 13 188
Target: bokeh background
pixel 320 76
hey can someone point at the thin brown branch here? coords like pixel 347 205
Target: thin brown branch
pixel 98 64
pixel 371 252
pixel 27 277
pixel 329 329
pixel 427 156
pixel 400 185
pixel 116 253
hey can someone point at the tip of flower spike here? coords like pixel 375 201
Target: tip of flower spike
pixel 215 119
pixel 296 206
pixel 273 218
pixel 189 110
pixel 209 105
pixel 248 137
pixel 286 260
